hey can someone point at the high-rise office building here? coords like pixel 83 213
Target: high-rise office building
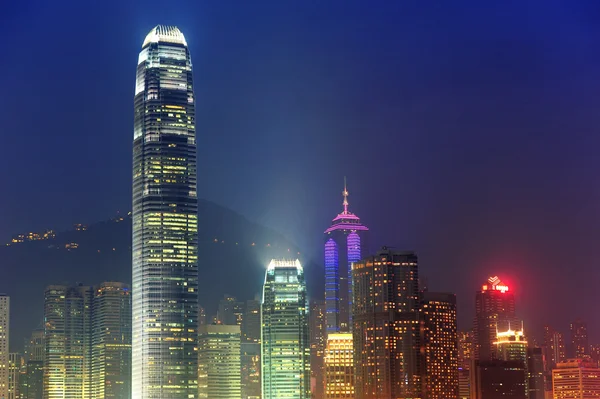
pixel 4 348
pixel 500 379
pixel 535 370
pixel 386 326
pixel 339 366
pixel 219 362
pixel 15 365
pixel 554 347
pixel 511 345
pixel 34 348
pixel 494 310
pixel 465 363
pixel 576 379
pixel 231 311
pixel 579 346
pixel 67 339
pixel 165 221
pixel 250 347
pixel 111 341
pixel 344 244
pixel 439 345
pixel 285 338
pixel 318 337
pixel 31 382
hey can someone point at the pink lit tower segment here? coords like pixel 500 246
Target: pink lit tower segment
pixel 344 243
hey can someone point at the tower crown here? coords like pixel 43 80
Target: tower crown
pixel 164 34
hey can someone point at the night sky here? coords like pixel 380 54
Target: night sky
pixel 468 132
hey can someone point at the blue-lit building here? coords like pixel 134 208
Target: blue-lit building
pixel 345 242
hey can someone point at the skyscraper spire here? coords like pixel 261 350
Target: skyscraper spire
pixel 345 194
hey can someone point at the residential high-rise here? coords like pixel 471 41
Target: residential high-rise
pixel 111 341
pixel 4 348
pixel 500 379
pixel 318 337
pixel 494 310
pixel 250 347
pixel 344 244
pixel 285 339
pixel 231 311
pixel 15 365
pixel 219 362
pixel 579 346
pixel 576 379
pixel 386 326
pixel 511 345
pixel 439 345
pixel 535 369
pixel 465 363
pixel 165 221
pixel 339 366
pixel 68 343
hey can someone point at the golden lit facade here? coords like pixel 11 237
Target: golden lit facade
pixel 386 326
pixel 165 221
pixel 219 362
pixel 285 339
pixel 576 379
pixel 339 366
pixel 439 346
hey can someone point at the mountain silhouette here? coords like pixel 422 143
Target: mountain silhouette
pixel 233 254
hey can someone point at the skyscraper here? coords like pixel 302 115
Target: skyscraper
pixel 576 379
pixel 67 338
pixel 231 311
pixel 494 310
pixel 386 326
pixel 250 356
pixel 111 341
pixel 285 344
pixel 15 364
pixel 511 345
pixel 165 221
pixel 554 346
pixel 339 366
pixel 439 345
pixel 318 338
pixel 4 330
pixel 579 346
pixel 34 349
pixel 31 379
pixel 535 370
pixel 344 244
pixel 465 363
pixel 500 379
pixel 219 362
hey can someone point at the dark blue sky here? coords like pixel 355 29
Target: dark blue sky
pixel 468 131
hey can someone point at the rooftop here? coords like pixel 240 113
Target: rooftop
pixel 164 34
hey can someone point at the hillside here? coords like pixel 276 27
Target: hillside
pixel 233 253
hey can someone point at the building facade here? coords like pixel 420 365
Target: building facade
pixel 165 221
pixel 494 310
pixel 386 326
pixel 231 311
pixel 465 363
pixel 250 356
pixel 576 379
pixel 318 338
pixel 111 341
pixel 219 362
pixel 4 348
pixel 32 381
pixel 15 365
pixel 579 346
pixel 439 346
pixel 344 244
pixel 285 338
pixel 511 345
pixel 500 379
pixel 536 375
pixel 339 366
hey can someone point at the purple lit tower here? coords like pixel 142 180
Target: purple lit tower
pixel 342 247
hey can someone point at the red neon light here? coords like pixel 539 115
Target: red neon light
pixel 496 285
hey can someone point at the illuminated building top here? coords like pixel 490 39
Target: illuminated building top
pixel 165 34
pixel 510 336
pixel 346 220
pixel 494 284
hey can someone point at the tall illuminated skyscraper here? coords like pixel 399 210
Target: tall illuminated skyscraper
pixel 165 221
pixel 318 338
pixel 439 343
pixel 344 244
pixel 339 366
pixel 250 348
pixel 465 363
pixel 219 362
pixel 494 310
pixel 511 345
pixel 285 341
pixel 4 329
pixel 386 326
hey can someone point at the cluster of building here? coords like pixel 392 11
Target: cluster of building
pixel 379 333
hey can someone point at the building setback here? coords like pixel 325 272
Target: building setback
pixel 164 221
pixel 219 362
pixel 285 339
pixel 386 326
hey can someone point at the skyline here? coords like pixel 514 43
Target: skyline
pixel 556 227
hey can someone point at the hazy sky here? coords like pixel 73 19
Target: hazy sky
pixel 468 131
